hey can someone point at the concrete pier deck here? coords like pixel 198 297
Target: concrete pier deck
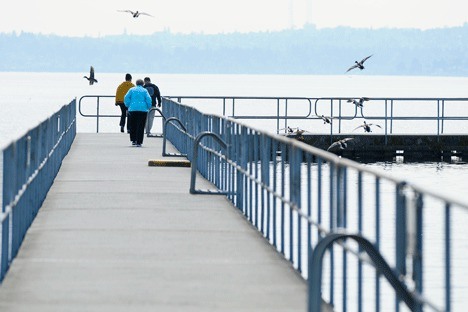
pixel 115 234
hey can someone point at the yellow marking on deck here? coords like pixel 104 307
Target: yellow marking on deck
pixel 168 163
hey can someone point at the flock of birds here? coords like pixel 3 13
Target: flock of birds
pixel 359 103
pixel 296 132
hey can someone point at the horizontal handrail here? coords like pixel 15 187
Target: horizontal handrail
pixel 282 110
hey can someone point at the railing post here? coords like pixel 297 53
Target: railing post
pixel 97 115
pixel 400 232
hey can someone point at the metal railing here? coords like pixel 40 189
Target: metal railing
pixel 297 195
pixel 306 112
pixel 30 165
pixel 287 110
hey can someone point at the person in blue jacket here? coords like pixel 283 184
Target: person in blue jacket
pixel 138 102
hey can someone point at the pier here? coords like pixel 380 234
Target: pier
pixel 115 234
pixel 257 222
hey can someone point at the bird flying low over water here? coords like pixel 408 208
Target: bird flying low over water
pixel 340 143
pixel 358 102
pixel 360 64
pixel 136 13
pixel 91 76
pixel 367 127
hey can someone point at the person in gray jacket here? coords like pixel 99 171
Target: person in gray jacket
pixel 155 94
pixel 138 102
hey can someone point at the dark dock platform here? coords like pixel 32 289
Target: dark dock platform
pixel 413 148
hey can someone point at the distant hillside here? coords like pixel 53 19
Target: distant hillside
pixel 304 51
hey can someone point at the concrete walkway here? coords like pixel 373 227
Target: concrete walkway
pixel 117 235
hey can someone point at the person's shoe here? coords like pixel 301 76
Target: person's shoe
pixel 122 129
pixel 134 143
pixel 138 145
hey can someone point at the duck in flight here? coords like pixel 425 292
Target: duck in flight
pixel 367 127
pixel 136 13
pixel 340 143
pixel 358 102
pixel 91 78
pixel 360 64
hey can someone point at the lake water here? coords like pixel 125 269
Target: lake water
pixel 27 99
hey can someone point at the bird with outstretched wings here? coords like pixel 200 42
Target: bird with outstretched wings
pixel 340 143
pixel 367 127
pixel 136 13
pixel 360 64
pixel 358 102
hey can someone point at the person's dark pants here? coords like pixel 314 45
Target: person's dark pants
pixel 137 126
pixel 123 110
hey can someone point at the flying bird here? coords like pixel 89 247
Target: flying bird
pixel 91 76
pixel 136 13
pixel 340 143
pixel 367 127
pixel 326 119
pixel 360 64
pixel 358 102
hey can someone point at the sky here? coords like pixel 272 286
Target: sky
pixel 99 18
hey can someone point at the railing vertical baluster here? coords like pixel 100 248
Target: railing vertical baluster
pixel 275 190
pixel 251 163
pixel 263 167
pixel 283 194
pixel 448 258
pixel 418 252
pixel 309 208
pixel 360 224
pixel 267 164
pixel 377 241
pixel 400 239
pixel 256 147
pixel 344 223
pixel 332 227
pixel 97 114
pixel 319 196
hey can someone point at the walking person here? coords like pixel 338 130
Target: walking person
pixel 138 102
pixel 153 91
pixel 122 89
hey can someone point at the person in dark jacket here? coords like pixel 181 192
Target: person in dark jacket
pixel 153 91
pixel 138 102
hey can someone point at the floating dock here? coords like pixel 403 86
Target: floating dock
pixel 412 148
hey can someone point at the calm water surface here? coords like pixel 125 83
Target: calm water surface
pixel 27 99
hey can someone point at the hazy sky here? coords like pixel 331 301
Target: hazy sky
pixel 99 17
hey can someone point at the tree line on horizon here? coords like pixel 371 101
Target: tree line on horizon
pixel 309 50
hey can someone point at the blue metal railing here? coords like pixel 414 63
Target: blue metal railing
pixel 30 165
pixel 280 112
pixel 297 195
